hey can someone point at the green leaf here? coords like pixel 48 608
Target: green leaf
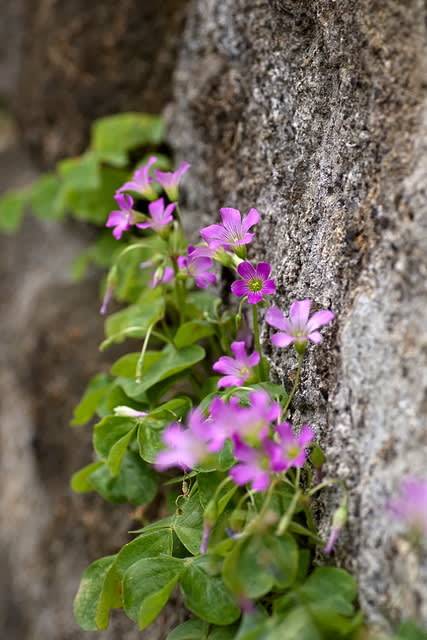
pixel 297 624
pixel 280 557
pixel 172 363
pixel 191 332
pixel 12 205
pixel 110 598
pixel 117 452
pixel 202 304
pixel 80 480
pixel 136 482
pixel 276 391
pixel 113 157
pixel 188 523
pixel 126 365
pixel 43 197
pixel 149 545
pixel 92 205
pixel 149 579
pixel 126 131
pixel 244 569
pixel 206 595
pixel 135 320
pixel 88 595
pixel 81 173
pixel 330 583
pixel 109 431
pixel 150 441
pixel 410 631
pixel 96 390
pixel 194 629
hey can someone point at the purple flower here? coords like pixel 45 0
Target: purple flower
pixel 290 451
pixel 186 447
pixel 410 506
pixel 169 181
pixel 109 292
pixel 338 522
pixel 140 182
pixel 239 368
pixel 196 265
pixel 225 418
pixel 255 283
pixel 124 218
pixel 297 328
pixel 233 231
pixel 160 216
pixel 253 465
pixel 160 276
pixel 254 421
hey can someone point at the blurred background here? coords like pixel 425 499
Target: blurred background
pixel 62 65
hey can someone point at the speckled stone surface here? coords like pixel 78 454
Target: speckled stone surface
pixel 316 114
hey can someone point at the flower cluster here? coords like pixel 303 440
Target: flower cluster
pixel 141 184
pixel 261 447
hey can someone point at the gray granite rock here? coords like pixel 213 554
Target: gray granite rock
pixel 315 113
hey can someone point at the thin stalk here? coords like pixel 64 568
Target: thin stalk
pixel 257 339
pixel 294 386
pixel 140 363
pixel 287 517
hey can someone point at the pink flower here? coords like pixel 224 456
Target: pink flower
pixel 169 181
pixel 298 327
pixel 253 465
pixel 196 266
pixel 255 283
pixel 239 368
pixel 109 292
pixel 233 231
pixel 289 451
pixel 140 182
pixel 160 216
pixel 186 447
pixel 254 421
pixel 410 506
pixel 224 419
pixel 124 218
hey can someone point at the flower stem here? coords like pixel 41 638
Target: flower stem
pixel 140 363
pixel 257 340
pixel 286 519
pixel 294 386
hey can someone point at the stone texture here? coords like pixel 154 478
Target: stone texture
pixel 80 63
pixel 316 114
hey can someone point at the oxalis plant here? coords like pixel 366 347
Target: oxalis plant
pixel 190 423
pixel 192 417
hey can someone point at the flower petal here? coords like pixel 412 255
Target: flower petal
pixel 282 339
pixel 269 287
pixel 252 218
pixel 239 350
pixel 299 312
pixel 246 270
pixel 230 381
pixel 231 218
pixel 254 297
pixel 240 288
pixel 315 337
pixel 275 318
pixel 319 319
pixel 306 435
pixel 254 359
pixel 226 364
pixel 263 269
pixel 214 232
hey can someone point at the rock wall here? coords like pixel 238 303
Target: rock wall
pixel 316 114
